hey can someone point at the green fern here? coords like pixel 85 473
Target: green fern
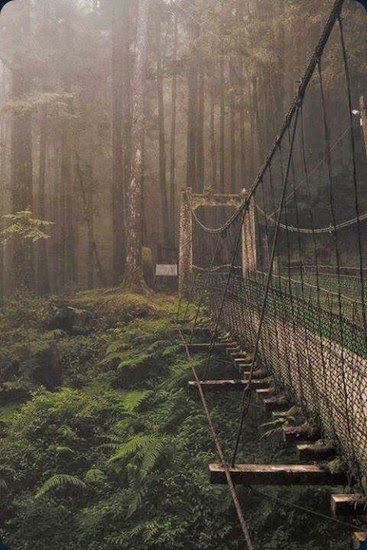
pixel 146 448
pixel 95 475
pixel 60 481
pixel 134 399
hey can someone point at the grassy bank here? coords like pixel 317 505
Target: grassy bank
pixel 103 447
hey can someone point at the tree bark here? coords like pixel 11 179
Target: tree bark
pixel 119 48
pixel 200 162
pixel 213 146
pixel 222 182
pixel 43 279
pixel 22 268
pixel 134 278
pixel 162 135
pixel 232 107
pixel 173 138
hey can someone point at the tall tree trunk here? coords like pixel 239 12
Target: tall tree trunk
pixel 119 11
pixel 86 188
pixel 243 171
pixel 232 107
pixel 173 138
pixel 222 182
pixel 22 268
pixel 200 160
pixel 213 146
pixel 192 110
pixel 162 135
pixel 43 280
pixel 134 278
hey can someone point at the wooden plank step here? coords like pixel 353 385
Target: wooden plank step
pixel 217 346
pixel 316 452
pixel 348 505
pixel 243 360
pixel 230 351
pixel 229 384
pixel 358 538
pixel 277 474
pixel 275 403
pixel 238 385
pixel 263 393
pixel 294 434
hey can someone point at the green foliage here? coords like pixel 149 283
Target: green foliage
pixel 60 481
pixel 22 225
pixel 117 457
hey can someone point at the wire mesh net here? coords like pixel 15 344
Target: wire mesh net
pixel 286 274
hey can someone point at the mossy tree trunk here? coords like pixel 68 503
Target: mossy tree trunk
pixel 21 260
pixel 134 279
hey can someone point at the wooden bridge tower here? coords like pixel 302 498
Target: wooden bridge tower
pixel 190 202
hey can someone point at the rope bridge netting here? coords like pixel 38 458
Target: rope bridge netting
pixel 284 268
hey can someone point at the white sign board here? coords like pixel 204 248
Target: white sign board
pixel 166 270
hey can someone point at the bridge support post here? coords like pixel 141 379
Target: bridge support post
pixel 248 240
pixel 185 256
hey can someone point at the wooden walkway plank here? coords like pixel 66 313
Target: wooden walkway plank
pixel 277 474
pixel 275 403
pixel 348 505
pixel 316 452
pixel 359 537
pixel 238 385
pixel 295 434
pixel 230 384
pixel 217 346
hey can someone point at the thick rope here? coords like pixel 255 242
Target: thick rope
pixel 219 451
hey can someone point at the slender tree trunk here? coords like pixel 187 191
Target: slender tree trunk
pixel 233 154
pixel 134 278
pixel 162 136
pixel 86 188
pixel 43 280
pixel 118 82
pixel 22 268
pixel 222 182
pixel 213 146
pixel 200 160
pixel 173 138
pixel 243 171
pixel 192 110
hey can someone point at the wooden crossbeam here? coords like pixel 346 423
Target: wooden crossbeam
pixel 348 505
pixel 294 434
pixel 243 360
pixel 263 393
pixel 230 384
pixel 316 452
pixel 277 474
pixel 219 384
pixel 358 538
pixel 275 403
pixel 217 346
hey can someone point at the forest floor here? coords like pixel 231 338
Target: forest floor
pixel 102 446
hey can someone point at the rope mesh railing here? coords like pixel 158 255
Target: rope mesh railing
pixel 290 286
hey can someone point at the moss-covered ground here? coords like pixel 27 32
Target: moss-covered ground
pixel 103 446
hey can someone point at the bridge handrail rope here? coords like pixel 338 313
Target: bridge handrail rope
pixel 219 451
pixel 309 231
pixel 224 289
pixel 308 74
pixel 266 288
pixel 316 287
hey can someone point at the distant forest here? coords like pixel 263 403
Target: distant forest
pixel 212 79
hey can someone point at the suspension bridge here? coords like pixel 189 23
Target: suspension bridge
pixel 283 275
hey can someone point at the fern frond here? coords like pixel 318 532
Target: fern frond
pixel 133 399
pixel 60 481
pixel 94 476
pixel 146 447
